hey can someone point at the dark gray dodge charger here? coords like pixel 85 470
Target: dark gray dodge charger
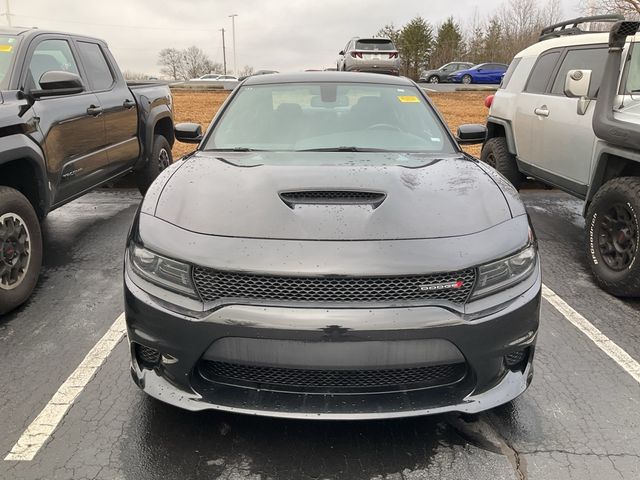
pixel 329 251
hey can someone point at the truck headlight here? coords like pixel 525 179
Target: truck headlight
pixel 162 271
pixel 505 273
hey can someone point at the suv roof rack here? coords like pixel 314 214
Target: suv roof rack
pixel 571 27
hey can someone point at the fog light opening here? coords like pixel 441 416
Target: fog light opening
pixel 517 360
pixel 147 357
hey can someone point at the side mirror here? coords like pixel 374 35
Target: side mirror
pixel 341 52
pixel 58 82
pixel 471 134
pixel 576 85
pixel 188 132
pixel 577 82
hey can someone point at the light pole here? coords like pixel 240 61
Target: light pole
pixel 224 53
pixel 233 35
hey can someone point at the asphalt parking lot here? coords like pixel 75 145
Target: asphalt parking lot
pixel 579 420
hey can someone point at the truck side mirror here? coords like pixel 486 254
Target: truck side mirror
pixel 58 82
pixel 471 134
pixel 576 85
pixel 188 132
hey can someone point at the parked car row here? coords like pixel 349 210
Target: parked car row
pixel 465 72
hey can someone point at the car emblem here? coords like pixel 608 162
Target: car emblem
pixel 442 286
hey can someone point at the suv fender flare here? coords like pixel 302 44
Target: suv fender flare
pixel 602 162
pixel 21 147
pixel 497 125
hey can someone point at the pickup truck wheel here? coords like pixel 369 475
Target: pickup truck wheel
pixel 613 236
pixel 160 159
pixel 496 154
pixel 20 249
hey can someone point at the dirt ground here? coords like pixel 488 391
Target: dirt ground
pixel 457 108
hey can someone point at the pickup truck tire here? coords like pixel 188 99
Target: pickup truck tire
pixel 495 153
pixel 160 159
pixel 20 249
pixel 613 236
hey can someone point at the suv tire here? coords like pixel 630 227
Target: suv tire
pixel 434 79
pixel 613 236
pixel 495 153
pixel 160 159
pixel 20 249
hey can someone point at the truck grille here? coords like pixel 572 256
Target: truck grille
pixel 296 379
pixel 215 285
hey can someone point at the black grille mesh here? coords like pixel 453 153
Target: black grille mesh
pixel 295 378
pixel 214 285
pixel 147 355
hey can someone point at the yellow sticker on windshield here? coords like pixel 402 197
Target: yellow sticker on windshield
pixel 6 48
pixel 409 99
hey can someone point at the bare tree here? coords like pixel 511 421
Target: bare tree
pixel 629 8
pixel 172 62
pixel 195 63
pixel 245 71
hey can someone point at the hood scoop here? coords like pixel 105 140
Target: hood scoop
pixel 332 197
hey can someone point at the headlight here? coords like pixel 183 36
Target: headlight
pixel 162 271
pixel 504 273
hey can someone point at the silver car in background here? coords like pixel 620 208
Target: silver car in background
pixel 375 55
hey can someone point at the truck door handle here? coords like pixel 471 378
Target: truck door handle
pixel 94 111
pixel 128 104
pixel 542 111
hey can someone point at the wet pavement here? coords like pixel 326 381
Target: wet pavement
pixel 579 420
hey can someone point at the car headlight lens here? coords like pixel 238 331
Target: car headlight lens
pixel 504 273
pixel 162 271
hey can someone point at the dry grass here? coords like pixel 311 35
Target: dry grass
pixel 457 108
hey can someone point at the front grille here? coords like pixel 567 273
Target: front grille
pixel 301 379
pixel 215 285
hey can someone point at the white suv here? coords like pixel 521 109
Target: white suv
pixel 545 123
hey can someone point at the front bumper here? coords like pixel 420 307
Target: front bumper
pixel 183 341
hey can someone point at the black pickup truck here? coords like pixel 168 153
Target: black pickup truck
pixel 69 122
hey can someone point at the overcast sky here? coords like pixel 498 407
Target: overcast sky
pixel 285 35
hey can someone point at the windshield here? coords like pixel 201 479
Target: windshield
pixel 329 116
pixel 8 45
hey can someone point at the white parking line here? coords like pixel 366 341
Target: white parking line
pixel 35 436
pixel 604 343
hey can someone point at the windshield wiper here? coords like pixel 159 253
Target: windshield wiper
pixel 233 149
pixel 342 149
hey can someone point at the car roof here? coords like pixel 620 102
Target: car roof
pixel 328 76
pixel 569 41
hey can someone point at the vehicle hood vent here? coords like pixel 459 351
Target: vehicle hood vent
pixel 332 197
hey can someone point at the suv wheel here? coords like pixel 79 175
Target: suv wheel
pixel 466 79
pixel 434 79
pixel 496 154
pixel 613 236
pixel 160 159
pixel 20 249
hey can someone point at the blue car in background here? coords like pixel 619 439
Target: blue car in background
pixel 481 73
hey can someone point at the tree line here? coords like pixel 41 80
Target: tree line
pixel 191 62
pixel 494 38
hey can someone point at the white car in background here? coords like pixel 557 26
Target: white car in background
pixel 209 77
pixel 225 82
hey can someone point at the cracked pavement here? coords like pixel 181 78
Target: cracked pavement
pixel 580 419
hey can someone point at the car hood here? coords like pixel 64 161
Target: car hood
pixel 241 195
